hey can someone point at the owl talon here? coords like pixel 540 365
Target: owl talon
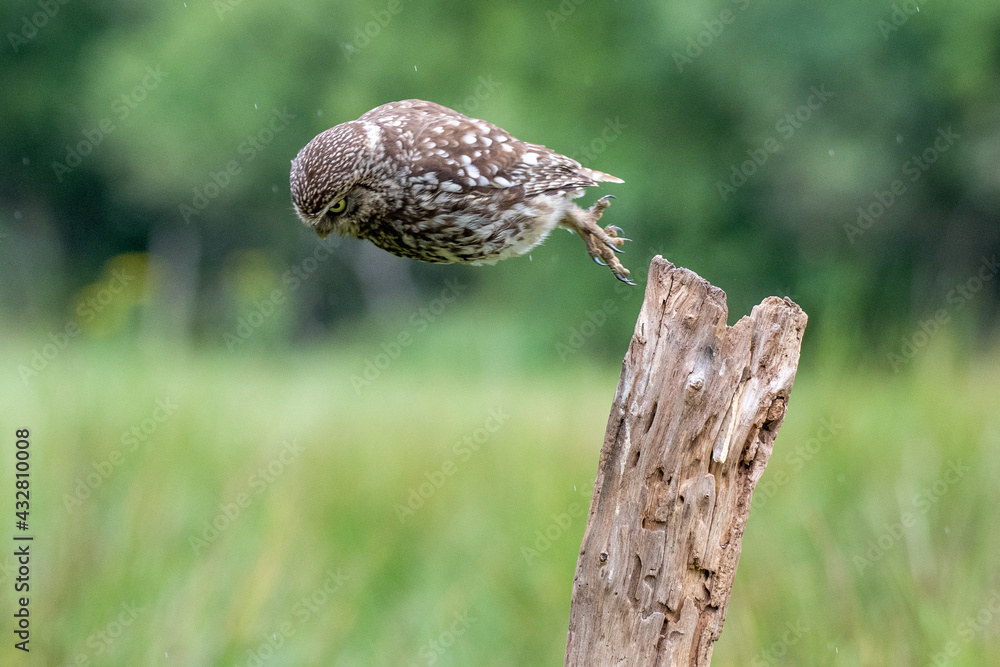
pixel 621 273
pixel 602 243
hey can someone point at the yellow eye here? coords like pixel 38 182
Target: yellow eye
pixel 338 207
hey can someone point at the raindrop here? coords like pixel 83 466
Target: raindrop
pixel 899 138
pixel 319 112
pixel 17 215
pixel 26 160
pixel 255 105
pixel 414 68
pixel 274 188
pixel 831 152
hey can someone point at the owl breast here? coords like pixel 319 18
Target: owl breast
pixel 443 229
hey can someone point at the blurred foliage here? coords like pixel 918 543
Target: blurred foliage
pixel 150 109
pixel 149 252
pixel 137 455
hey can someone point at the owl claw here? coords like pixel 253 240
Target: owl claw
pixel 602 243
pixel 616 232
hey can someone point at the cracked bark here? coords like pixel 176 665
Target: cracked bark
pixel 691 430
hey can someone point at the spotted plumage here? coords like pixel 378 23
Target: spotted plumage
pixel 426 182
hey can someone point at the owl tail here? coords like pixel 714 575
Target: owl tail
pixel 600 175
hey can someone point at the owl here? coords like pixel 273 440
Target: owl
pixel 426 182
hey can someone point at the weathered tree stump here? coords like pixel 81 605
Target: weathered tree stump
pixel 691 429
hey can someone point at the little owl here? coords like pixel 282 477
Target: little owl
pixel 425 182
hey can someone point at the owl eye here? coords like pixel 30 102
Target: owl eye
pixel 338 207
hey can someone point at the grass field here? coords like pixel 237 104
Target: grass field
pixel 405 524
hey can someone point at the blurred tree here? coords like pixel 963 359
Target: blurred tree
pixel 845 154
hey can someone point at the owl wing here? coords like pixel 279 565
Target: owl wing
pixel 465 154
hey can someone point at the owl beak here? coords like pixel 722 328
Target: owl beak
pixel 321 233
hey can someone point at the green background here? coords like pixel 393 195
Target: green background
pixel 844 155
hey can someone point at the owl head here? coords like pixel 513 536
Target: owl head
pixel 332 187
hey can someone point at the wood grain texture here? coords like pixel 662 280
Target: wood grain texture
pixel 691 429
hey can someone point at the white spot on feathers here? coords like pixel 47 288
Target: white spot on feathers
pixel 374 133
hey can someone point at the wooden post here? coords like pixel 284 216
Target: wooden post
pixel 691 429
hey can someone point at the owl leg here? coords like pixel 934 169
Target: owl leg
pixel 602 244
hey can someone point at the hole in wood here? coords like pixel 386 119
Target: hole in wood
pixel 633 584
